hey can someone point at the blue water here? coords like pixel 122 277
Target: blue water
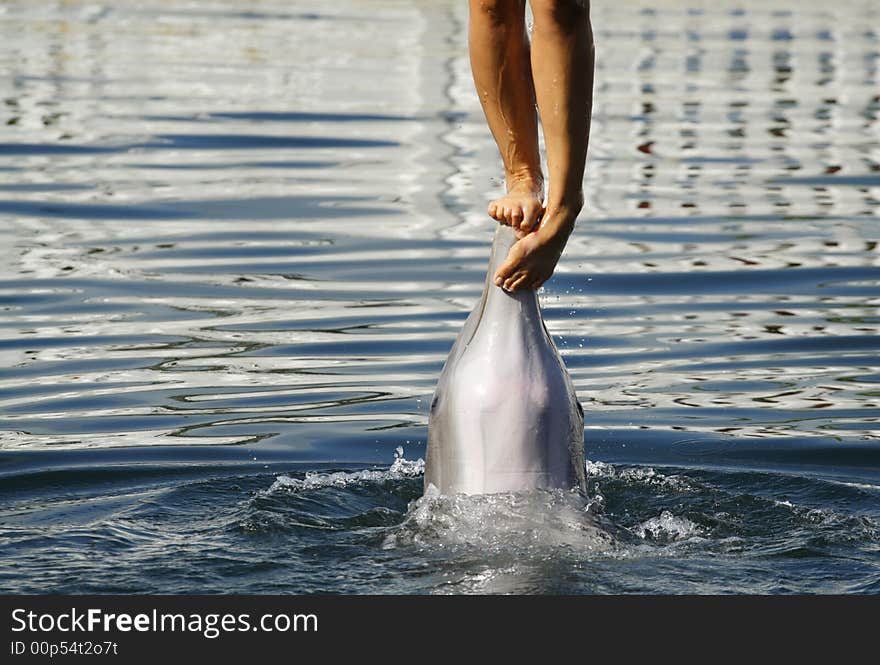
pixel 237 245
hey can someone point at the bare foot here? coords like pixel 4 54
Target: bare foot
pixel 521 208
pixel 533 258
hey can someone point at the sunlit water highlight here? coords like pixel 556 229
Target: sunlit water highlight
pixel 238 241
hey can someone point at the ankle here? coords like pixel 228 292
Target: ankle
pixel 555 229
pixel 525 179
pixel 559 219
pixel 570 204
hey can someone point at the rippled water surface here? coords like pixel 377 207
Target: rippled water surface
pixel 239 238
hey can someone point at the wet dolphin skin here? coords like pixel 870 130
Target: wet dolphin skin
pixel 505 416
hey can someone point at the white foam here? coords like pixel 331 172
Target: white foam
pixel 667 528
pixel 399 469
pixel 599 469
pixel 643 475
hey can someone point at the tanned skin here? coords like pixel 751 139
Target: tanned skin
pixel 554 71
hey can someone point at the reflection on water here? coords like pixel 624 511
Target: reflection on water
pixel 241 240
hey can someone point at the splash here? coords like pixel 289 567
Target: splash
pixel 641 475
pixel 533 525
pixel 663 529
pixel 526 523
pixel 667 528
pixel 401 468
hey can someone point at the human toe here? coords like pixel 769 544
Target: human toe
pixel 516 217
pixel 531 216
pixel 504 273
pixel 516 281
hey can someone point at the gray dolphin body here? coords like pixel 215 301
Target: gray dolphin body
pixel 505 416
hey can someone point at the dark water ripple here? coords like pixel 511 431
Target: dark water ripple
pixel 232 269
pixel 665 530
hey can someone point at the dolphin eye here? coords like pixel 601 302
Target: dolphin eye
pixel 434 402
pixel 580 408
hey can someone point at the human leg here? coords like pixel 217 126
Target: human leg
pixel 562 67
pixel 499 53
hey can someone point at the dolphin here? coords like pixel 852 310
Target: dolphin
pixel 504 416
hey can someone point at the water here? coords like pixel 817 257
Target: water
pixel 238 240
